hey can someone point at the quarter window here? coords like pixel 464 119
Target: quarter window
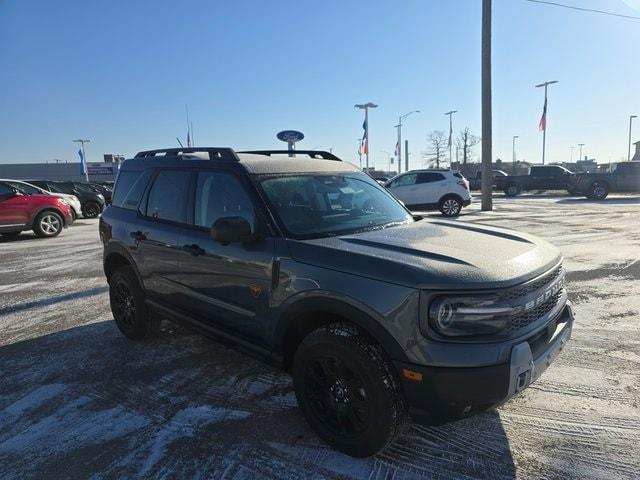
pixel 221 195
pixel 168 195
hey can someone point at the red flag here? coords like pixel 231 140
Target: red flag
pixel 543 120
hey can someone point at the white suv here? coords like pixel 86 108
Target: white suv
pixel 445 190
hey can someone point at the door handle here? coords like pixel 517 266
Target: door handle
pixel 194 250
pixel 138 235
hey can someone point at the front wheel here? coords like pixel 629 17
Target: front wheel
pixel 48 224
pixel 598 191
pixel 450 207
pixel 512 190
pixel 347 391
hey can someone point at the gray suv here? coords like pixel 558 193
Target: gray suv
pixel 380 316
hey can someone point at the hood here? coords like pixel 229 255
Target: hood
pixel 434 255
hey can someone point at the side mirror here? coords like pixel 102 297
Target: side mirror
pixel 226 230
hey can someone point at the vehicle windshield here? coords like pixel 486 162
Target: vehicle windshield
pixel 84 188
pixel 311 206
pixel 27 189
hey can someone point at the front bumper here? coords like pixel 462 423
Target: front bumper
pixel 438 394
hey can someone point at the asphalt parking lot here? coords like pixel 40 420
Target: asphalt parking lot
pixel 78 400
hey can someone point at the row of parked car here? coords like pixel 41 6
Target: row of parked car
pixel 449 191
pixel 47 206
pixel 622 177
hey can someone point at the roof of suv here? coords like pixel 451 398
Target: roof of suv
pixel 255 163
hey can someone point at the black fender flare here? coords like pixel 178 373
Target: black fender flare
pixel 357 313
pixel 112 249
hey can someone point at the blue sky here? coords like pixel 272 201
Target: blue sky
pixel 120 73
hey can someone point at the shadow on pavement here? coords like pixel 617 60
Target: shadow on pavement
pixel 87 402
pixel 52 300
pixel 606 201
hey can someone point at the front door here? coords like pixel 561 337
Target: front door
pixel 404 188
pixel 13 208
pixel 227 285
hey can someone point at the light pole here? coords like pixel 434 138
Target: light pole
pixel 389 156
pixel 366 107
pixel 487 122
pixel 513 158
pixel 580 145
pixel 450 113
pixel 571 158
pixel 399 149
pixel 543 120
pixel 84 157
pixel 631 117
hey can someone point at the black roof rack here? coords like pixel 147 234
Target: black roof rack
pixel 311 153
pixel 214 153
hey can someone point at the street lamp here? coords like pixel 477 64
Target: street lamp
pixel 543 120
pixel 580 145
pixel 514 154
pixel 631 117
pixel 450 113
pixel 84 157
pixel 366 107
pixel 389 156
pixel 399 149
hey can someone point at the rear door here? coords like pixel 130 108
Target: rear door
pixel 226 285
pixel 155 233
pixel 431 187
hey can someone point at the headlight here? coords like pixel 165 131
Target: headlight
pixel 468 316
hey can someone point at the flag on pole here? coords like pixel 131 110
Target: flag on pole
pixel 188 139
pixel 364 145
pixel 397 150
pixel 83 164
pixel 543 120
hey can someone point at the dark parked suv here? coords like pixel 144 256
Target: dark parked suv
pixel 92 202
pixel 310 264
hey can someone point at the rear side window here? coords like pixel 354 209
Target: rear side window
pixel 429 177
pixel 168 196
pixel 5 189
pixel 129 189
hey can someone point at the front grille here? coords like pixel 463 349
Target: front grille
pixel 527 288
pixel 522 320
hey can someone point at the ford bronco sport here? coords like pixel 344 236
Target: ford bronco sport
pixel 310 264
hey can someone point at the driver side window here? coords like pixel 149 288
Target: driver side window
pixel 404 180
pixel 221 195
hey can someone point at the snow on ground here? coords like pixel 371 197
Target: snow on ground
pixel 77 400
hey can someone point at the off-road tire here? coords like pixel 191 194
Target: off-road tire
pixel 128 305
pixel 48 224
pixel 450 206
pixel 377 389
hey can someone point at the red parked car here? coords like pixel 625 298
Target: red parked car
pixel 46 215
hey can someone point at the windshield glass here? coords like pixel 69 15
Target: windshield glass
pixel 312 206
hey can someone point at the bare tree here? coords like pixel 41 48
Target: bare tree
pixel 466 141
pixel 438 143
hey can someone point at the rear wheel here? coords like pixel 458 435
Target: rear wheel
pixel 48 224
pixel 450 206
pixel 512 190
pixel 347 391
pixel 128 304
pixel 90 210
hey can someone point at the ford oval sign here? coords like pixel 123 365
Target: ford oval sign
pixel 290 136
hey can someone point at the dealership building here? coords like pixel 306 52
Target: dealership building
pixel 105 171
